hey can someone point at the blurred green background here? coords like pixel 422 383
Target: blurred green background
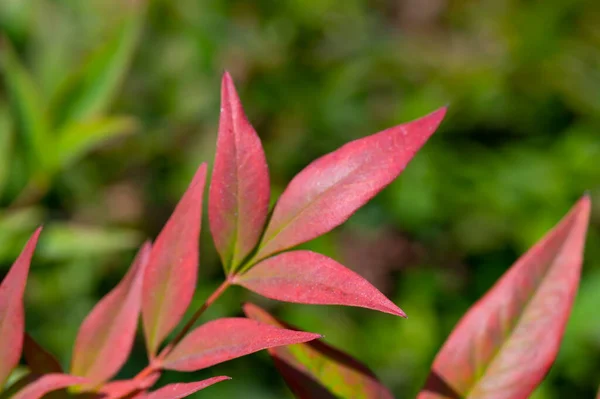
pixel 108 106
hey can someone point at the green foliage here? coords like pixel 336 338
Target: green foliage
pixel 520 144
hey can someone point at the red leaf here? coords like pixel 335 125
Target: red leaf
pixel 47 383
pixel 239 195
pixel 317 370
pixel 225 339
pixel 39 360
pixel 12 312
pixel 309 277
pixel 106 335
pixel 176 391
pixel 170 278
pixel 123 388
pixel 505 344
pixel 330 189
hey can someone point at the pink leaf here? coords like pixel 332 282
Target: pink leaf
pixel 106 336
pixel 239 195
pixel 124 388
pixel 503 347
pixel 170 278
pixel 45 384
pixel 317 370
pixel 176 391
pixel 225 339
pixel 12 312
pixel 330 189
pixel 39 360
pixel 309 277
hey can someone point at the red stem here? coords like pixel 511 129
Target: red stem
pixel 155 364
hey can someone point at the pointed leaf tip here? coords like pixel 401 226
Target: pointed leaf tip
pixel 315 369
pixel 181 390
pixel 311 278
pixel 239 191
pixel 106 336
pixel 12 312
pixel 224 339
pixel 505 344
pixel 170 278
pixel 329 190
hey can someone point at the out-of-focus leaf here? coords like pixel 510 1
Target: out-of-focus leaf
pixel 330 189
pixel 15 226
pixel 170 278
pixel 39 360
pixel 504 346
pixel 309 277
pixel 17 381
pixel 78 138
pixel 239 190
pixel 29 107
pixel 88 92
pixel 6 140
pixel 181 390
pixel 47 383
pixel 224 339
pixel 106 336
pixel 69 241
pixel 12 312
pixel 316 370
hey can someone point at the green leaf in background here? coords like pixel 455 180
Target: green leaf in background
pixel 78 138
pixel 6 138
pixel 15 227
pixel 29 106
pixel 88 91
pixel 64 241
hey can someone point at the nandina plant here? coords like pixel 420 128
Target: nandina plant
pixel 502 348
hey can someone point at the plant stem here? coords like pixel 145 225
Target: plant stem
pixel 188 326
pixel 155 364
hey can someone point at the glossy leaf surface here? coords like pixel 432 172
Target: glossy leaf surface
pixel 12 312
pixel 45 384
pixel 225 339
pixel 503 347
pixel 316 370
pixel 239 190
pixel 330 189
pixel 170 278
pixel 38 359
pixel 181 390
pixel 312 278
pixel 106 336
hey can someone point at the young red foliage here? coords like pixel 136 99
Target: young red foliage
pixel 170 278
pixel 106 336
pixel 330 189
pixel 38 359
pixel 503 347
pixel 224 339
pixel 124 388
pixel 317 370
pixel 47 383
pixel 176 391
pixel 309 277
pixel 12 312
pixel 239 194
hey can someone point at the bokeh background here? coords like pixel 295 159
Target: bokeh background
pixel 108 106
